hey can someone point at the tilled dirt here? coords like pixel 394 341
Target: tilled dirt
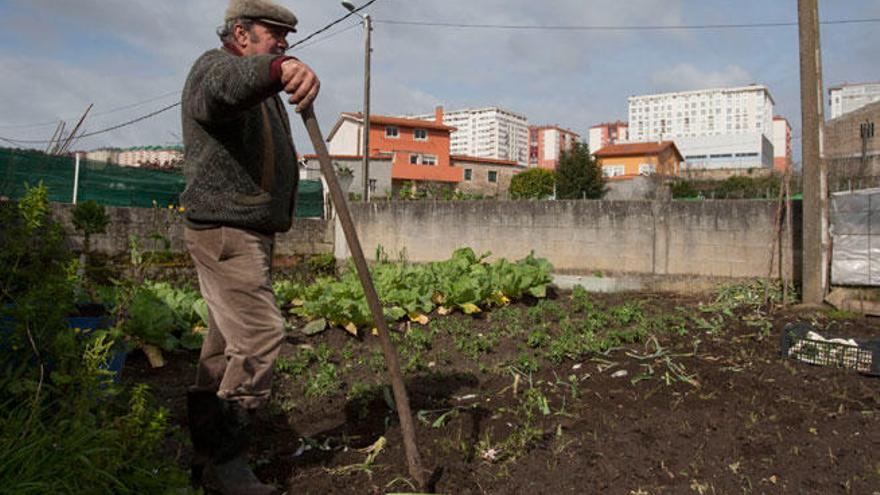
pixel 700 411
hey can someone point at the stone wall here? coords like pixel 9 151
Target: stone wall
pixel 849 165
pixel 721 174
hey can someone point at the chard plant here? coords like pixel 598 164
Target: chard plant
pixel 465 283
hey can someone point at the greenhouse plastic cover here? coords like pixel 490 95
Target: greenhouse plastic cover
pixel 113 185
pixel 855 237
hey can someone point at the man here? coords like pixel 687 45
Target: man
pixel 241 179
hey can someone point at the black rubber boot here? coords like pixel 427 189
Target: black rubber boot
pixel 205 419
pixel 221 433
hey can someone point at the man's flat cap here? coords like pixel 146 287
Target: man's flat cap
pixel 263 11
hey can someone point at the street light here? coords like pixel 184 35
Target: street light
pixel 368 28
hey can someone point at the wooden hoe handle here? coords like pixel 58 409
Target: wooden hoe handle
pixel 413 458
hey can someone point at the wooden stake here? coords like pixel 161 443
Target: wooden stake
pixel 401 399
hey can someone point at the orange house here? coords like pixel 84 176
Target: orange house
pixel 420 148
pixel 625 161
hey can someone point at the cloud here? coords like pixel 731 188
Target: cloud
pixel 118 52
pixel 684 77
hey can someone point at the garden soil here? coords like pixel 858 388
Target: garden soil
pixel 706 406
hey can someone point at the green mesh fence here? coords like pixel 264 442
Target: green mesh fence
pixel 113 185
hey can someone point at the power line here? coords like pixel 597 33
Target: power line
pixel 680 27
pixel 324 38
pixel 99 114
pixel 169 107
pixel 102 131
pixel 328 26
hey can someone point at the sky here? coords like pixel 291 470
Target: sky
pixel 131 57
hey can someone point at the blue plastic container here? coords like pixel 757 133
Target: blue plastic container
pixel 87 325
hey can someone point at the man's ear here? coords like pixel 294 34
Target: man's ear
pixel 241 35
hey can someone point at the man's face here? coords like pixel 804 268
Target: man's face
pixel 262 39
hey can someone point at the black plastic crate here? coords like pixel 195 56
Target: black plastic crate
pixel 863 357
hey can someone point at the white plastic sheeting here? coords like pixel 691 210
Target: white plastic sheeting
pixel 855 237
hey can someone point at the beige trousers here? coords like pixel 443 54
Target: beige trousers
pixel 245 327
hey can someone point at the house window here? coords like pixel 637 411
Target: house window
pixel 493 176
pixel 392 132
pixel 468 174
pixel 416 159
pixel 612 170
pixel 647 169
pixel 372 185
pixel 420 135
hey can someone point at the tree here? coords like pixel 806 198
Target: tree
pixel 534 183
pixel 578 175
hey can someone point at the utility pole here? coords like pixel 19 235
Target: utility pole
pixel 368 29
pixel 815 186
pixel 368 26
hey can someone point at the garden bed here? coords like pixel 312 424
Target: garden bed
pixel 586 393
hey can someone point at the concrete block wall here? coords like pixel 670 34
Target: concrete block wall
pixel 672 240
pixel 724 238
pixel 307 236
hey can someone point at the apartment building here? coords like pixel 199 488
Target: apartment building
pixel 781 144
pixel 161 156
pixel 719 128
pixel 490 132
pixel 607 133
pixel 848 97
pixel 546 144
pixel 419 148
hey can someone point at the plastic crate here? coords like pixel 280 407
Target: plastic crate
pixel 863 357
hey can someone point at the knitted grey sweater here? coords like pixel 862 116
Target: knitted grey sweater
pixel 240 172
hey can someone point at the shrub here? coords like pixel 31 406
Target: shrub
pixel 88 440
pixel 37 281
pixel 90 218
pixel 534 183
pixel 683 189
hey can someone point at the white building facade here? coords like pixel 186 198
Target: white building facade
pixel 490 132
pixel 848 97
pixel 720 128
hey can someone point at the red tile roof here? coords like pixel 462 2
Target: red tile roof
pixel 636 149
pixel 400 121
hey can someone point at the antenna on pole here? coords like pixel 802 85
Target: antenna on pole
pixel 56 141
pixel 70 138
pixel 55 135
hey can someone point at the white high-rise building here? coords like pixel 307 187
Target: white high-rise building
pixel 490 132
pixel 720 128
pixel 848 97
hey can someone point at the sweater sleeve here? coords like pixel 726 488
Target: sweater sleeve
pixel 221 85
